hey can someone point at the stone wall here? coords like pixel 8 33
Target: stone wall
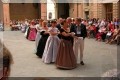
pixel 22 11
pixel 76 10
pixel 116 10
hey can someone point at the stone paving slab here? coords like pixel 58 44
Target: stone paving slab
pixel 98 57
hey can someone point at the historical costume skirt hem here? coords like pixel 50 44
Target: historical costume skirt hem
pixel 66 57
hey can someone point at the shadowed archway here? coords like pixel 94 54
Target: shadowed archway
pixel 63 10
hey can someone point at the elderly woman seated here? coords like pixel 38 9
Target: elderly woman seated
pixel 101 35
pixel 115 35
pixel 91 31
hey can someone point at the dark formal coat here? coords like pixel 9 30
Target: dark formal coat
pixel 82 30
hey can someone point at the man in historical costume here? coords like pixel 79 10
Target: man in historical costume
pixel 80 33
pixel 59 26
pixel 59 23
pixel 70 25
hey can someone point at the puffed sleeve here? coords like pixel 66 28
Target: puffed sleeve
pixel 61 30
pixel 42 32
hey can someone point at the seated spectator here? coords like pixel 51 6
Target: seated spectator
pixel 110 26
pixel 91 31
pixel 23 27
pixel 115 33
pixel 14 25
pixel 108 36
pixel 18 25
pixel 118 37
pixel 101 35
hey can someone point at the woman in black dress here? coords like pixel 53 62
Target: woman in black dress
pixel 44 36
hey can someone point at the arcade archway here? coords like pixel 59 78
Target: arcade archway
pixel 63 10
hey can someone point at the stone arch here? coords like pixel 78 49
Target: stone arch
pixel 63 10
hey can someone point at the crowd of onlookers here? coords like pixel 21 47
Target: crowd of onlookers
pixel 102 30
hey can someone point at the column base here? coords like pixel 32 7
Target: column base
pixel 7 28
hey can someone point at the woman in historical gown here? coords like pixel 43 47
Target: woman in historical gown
pixel 52 44
pixel 32 32
pixel 42 42
pixel 23 27
pixel 27 31
pixel 38 36
pixel 65 57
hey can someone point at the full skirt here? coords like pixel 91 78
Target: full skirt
pixel 66 58
pixel 41 46
pixel 32 34
pixel 51 49
pixel 26 32
pixel 37 39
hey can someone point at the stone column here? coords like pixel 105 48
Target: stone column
pixel 39 10
pixel 80 10
pixel 95 10
pixel 56 11
pixel 1 10
pixel 115 10
pixel 119 8
pixel 90 10
pixel 44 11
pixel 101 11
pixel 73 10
pixel 6 15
